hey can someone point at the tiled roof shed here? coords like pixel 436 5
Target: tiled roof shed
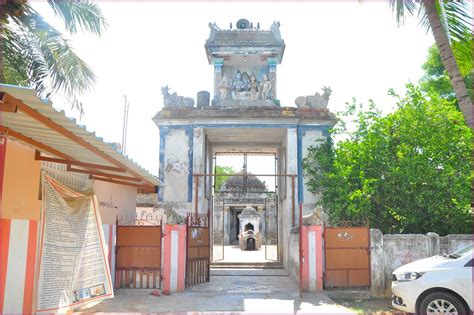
pixel 60 139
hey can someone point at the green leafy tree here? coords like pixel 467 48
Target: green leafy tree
pixel 436 77
pixel 408 172
pixel 219 180
pixel 451 25
pixel 33 53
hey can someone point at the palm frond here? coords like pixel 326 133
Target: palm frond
pixel 463 53
pixel 15 65
pixel 403 8
pixel 83 15
pixel 458 18
pixel 54 66
pixel 459 31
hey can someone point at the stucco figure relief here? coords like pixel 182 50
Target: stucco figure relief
pixel 317 217
pixel 214 28
pixel 245 86
pixel 275 28
pixel 266 88
pixel 174 100
pixel 224 88
pixel 315 101
pixel 254 88
pixel 173 165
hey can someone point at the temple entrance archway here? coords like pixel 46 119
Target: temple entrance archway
pixel 238 237
pixel 241 190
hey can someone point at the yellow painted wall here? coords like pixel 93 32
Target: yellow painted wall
pixel 115 200
pixel 21 183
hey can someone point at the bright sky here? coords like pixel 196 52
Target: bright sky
pixel 357 49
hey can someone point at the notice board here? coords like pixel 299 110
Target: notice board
pixel 72 269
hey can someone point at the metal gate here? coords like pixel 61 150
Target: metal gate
pixel 347 255
pixel 197 248
pixel 138 252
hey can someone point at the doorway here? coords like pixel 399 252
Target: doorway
pixel 234 225
pixel 253 186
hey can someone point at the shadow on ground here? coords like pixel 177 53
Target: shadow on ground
pixel 268 294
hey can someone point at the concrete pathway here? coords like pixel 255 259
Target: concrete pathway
pixel 256 293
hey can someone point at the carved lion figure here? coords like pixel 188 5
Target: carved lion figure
pixel 174 100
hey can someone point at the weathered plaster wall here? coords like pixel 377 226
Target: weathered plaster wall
pixel 115 200
pixel 309 138
pixel 388 252
pixel 176 165
pixel 377 263
pixel 291 168
pixel 21 183
pixel 294 256
pixel 453 242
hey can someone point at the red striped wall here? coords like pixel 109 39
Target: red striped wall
pixel 174 264
pixel 18 259
pixel 312 266
pixel 110 234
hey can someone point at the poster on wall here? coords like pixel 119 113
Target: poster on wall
pixel 73 268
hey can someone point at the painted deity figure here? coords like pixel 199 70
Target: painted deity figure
pixel 254 88
pixel 224 88
pixel 238 85
pixel 266 88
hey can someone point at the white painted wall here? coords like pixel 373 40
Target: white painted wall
pixel 114 200
pixel 176 166
pixel 291 168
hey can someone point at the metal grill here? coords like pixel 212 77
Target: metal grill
pixel 197 248
pixel 138 252
pixel 350 239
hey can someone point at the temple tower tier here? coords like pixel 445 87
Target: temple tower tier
pixel 245 61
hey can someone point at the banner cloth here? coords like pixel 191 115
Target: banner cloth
pixel 73 268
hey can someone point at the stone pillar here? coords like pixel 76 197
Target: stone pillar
pixel 203 99
pixel 291 168
pixel 198 160
pixel 377 264
pixel 272 63
pixel 174 258
pixel 226 213
pixel 433 243
pixel 218 63
pixel 312 262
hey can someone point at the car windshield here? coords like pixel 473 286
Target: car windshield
pixel 461 252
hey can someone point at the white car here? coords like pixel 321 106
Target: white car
pixel 437 285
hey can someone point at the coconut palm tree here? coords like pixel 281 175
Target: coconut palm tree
pixel 36 54
pixel 450 22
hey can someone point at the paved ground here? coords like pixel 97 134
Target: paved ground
pixel 233 254
pixel 264 291
pixel 373 305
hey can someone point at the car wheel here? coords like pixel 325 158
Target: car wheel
pixel 442 303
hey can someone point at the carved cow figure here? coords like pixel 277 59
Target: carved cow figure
pixel 314 101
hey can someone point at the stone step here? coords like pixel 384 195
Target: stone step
pixel 245 265
pixel 362 293
pixel 240 272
